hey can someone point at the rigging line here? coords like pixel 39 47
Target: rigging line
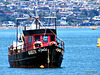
pixel 29 12
pixel 42 26
pixel 48 18
pixel 34 21
pixel 32 24
pixel 45 32
pixel 54 33
pixel 41 23
pixel 48 22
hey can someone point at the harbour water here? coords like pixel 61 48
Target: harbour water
pixel 81 56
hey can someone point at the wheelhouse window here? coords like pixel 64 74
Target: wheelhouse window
pixel 37 38
pixel 30 39
pixel 45 39
pixel 52 37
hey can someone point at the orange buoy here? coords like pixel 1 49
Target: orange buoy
pixel 41 66
pixel 93 28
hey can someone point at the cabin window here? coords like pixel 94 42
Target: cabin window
pixel 30 39
pixel 37 38
pixel 52 38
pixel 45 39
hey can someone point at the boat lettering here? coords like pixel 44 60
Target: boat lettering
pixel 32 52
pixel 58 50
pixel 40 50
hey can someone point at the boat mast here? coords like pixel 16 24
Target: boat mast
pixel 54 13
pixel 17 28
pixel 17 36
pixel 36 9
pixel 54 8
pixel 55 24
pixel 36 12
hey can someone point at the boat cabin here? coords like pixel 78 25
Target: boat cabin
pixel 34 39
pixel 39 38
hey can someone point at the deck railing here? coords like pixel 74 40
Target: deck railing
pixel 26 47
pixel 60 43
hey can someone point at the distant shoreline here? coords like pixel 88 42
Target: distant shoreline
pixel 65 27
pixel 58 27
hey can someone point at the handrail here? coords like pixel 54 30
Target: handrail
pixel 14 51
pixel 61 42
pixel 25 47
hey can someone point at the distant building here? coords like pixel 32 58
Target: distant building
pixel 96 18
pixel 9 24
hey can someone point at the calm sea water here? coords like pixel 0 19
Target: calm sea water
pixel 81 56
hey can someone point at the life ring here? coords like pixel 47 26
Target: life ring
pixel 41 45
pixel 52 42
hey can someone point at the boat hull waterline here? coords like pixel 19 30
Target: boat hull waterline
pixel 50 56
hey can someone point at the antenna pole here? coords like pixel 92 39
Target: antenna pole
pixel 17 31
pixel 39 25
pixel 55 24
pixel 54 8
pixel 54 13
pixel 36 8
pixel 36 23
pixel 17 36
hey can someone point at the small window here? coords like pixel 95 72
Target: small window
pixel 37 38
pixel 45 39
pixel 52 37
pixel 30 39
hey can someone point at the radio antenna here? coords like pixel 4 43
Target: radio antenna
pixel 36 8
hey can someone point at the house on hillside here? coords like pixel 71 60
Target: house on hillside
pixel 8 24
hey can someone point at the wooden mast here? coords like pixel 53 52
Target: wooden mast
pixel 17 36
pixel 36 23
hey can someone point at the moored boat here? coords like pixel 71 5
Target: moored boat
pixel 93 28
pixel 36 48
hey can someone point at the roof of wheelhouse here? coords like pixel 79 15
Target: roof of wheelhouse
pixel 39 31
